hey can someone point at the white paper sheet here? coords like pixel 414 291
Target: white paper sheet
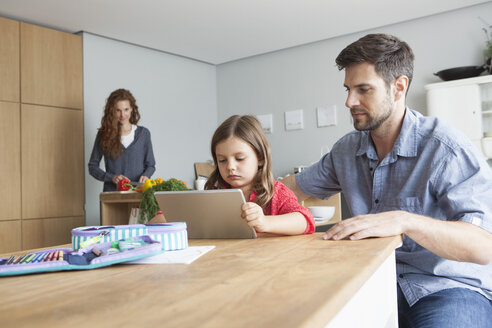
pixel 183 256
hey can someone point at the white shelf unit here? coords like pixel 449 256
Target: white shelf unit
pixel 465 104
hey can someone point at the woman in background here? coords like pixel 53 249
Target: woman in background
pixel 126 147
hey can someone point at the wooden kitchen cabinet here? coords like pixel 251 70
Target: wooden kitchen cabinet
pixel 41 136
pixel 10 184
pixel 37 233
pixel 51 67
pixel 9 60
pixel 52 162
pixel 10 236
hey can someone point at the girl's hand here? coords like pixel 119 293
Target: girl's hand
pixel 142 179
pixel 253 214
pixel 118 178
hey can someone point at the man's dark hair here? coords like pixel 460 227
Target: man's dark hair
pixel 391 57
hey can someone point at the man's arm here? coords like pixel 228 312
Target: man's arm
pixel 454 240
pixel 291 183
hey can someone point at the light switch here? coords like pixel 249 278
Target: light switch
pixel 327 115
pixel 266 122
pixel 294 120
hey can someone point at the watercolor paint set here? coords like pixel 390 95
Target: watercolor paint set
pixel 92 256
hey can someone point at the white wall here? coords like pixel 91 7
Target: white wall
pixel 176 98
pixel 182 101
pixel 306 77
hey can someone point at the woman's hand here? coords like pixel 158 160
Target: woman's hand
pixel 253 214
pixel 142 179
pixel 118 178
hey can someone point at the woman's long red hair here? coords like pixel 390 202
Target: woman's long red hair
pixel 110 131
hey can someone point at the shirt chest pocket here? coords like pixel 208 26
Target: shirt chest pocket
pixel 409 204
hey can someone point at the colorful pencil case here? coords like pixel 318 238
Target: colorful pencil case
pixel 90 257
pixel 172 235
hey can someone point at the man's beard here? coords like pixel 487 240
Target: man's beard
pixel 374 122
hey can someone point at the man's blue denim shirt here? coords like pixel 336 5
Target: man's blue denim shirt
pixel 432 170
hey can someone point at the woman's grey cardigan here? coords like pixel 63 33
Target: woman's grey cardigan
pixel 134 161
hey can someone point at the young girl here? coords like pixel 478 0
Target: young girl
pixel 242 159
pixel 126 147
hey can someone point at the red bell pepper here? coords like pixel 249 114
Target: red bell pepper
pixel 124 185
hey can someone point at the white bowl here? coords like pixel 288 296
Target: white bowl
pixel 487 147
pixel 325 212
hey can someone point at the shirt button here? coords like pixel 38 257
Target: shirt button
pixel 400 275
pixel 376 201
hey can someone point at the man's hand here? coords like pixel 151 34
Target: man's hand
pixel 371 225
pixel 453 240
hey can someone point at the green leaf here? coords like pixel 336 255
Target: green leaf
pixel 148 204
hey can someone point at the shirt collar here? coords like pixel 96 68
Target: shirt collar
pixel 405 144
pixel 366 146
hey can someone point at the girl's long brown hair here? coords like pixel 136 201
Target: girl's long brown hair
pixel 110 131
pixel 248 129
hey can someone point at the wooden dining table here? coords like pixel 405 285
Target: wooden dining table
pixel 271 281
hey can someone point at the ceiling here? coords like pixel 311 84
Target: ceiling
pixel 218 31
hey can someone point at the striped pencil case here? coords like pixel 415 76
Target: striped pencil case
pixel 90 257
pixel 172 235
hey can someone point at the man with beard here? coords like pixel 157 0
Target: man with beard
pixel 403 173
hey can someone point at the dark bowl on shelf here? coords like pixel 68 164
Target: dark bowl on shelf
pixel 460 72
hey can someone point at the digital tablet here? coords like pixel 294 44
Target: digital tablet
pixel 207 213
